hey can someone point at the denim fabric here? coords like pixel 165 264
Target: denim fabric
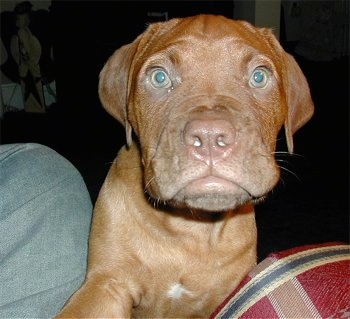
pixel 45 214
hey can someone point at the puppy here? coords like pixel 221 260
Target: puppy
pixel 202 100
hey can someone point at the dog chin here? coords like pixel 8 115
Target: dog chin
pixel 215 202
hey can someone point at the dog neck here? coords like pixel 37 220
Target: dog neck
pixel 204 227
pixel 204 216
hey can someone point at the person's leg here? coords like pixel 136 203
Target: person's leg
pixel 45 213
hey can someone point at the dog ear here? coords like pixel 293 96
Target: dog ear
pixel 117 74
pixel 113 85
pixel 299 102
pixel 300 107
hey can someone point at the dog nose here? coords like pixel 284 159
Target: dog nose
pixel 209 141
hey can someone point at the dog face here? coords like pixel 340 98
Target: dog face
pixel 206 97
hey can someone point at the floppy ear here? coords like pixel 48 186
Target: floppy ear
pixel 117 74
pixel 113 85
pixel 300 107
pixel 299 102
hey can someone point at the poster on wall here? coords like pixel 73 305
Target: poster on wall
pixel 28 68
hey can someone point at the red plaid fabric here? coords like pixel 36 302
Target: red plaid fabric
pixel 306 282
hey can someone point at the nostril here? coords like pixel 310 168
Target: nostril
pixel 209 134
pixel 209 140
pixel 197 142
pixel 193 140
pixel 220 141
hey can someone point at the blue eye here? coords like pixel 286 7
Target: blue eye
pixel 160 79
pixel 259 78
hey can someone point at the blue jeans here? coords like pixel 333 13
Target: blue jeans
pixel 45 215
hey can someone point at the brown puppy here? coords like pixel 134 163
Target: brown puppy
pixel 173 229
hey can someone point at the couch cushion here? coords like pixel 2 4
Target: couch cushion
pixel 311 281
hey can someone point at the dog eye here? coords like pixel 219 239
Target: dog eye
pixel 160 79
pixel 259 78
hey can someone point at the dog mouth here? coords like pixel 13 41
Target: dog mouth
pixel 211 193
pixel 211 184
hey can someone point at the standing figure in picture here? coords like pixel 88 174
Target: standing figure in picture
pixel 26 50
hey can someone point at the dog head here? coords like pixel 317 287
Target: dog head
pixel 206 97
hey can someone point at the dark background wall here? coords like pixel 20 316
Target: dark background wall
pixel 311 202
pixel 87 34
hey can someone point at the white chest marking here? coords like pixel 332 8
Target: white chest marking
pixel 177 290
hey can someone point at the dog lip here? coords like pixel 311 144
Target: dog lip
pixel 212 184
pixel 212 193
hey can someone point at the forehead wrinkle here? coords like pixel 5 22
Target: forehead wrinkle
pixel 229 43
pixel 179 51
pixel 162 57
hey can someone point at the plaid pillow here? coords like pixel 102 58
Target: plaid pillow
pixel 306 282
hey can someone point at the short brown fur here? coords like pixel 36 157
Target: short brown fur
pixel 173 230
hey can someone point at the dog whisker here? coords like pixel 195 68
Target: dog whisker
pixel 290 172
pixel 287 154
pixel 149 182
pixel 282 181
pixel 281 154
